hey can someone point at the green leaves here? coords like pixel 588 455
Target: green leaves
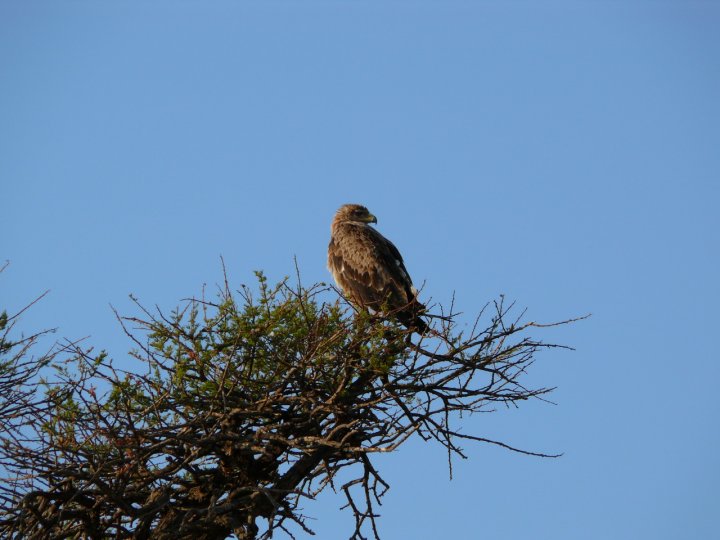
pixel 5 345
pixel 240 406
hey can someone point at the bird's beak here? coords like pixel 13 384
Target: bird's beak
pixel 371 219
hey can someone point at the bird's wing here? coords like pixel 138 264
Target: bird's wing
pixel 393 263
pixel 369 267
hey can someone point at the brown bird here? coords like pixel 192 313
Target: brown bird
pixel 369 268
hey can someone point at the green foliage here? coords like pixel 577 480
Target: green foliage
pixel 5 345
pixel 238 407
pixel 239 346
pixel 260 373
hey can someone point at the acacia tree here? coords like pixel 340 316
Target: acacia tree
pixel 247 404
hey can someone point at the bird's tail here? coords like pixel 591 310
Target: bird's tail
pixel 410 317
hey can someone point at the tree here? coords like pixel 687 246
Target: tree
pixel 246 405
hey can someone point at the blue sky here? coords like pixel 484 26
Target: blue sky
pixel 564 154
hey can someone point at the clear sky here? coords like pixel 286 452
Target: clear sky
pixel 565 154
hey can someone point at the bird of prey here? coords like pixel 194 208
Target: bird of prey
pixel 369 268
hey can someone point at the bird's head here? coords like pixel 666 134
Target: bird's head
pixel 355 213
